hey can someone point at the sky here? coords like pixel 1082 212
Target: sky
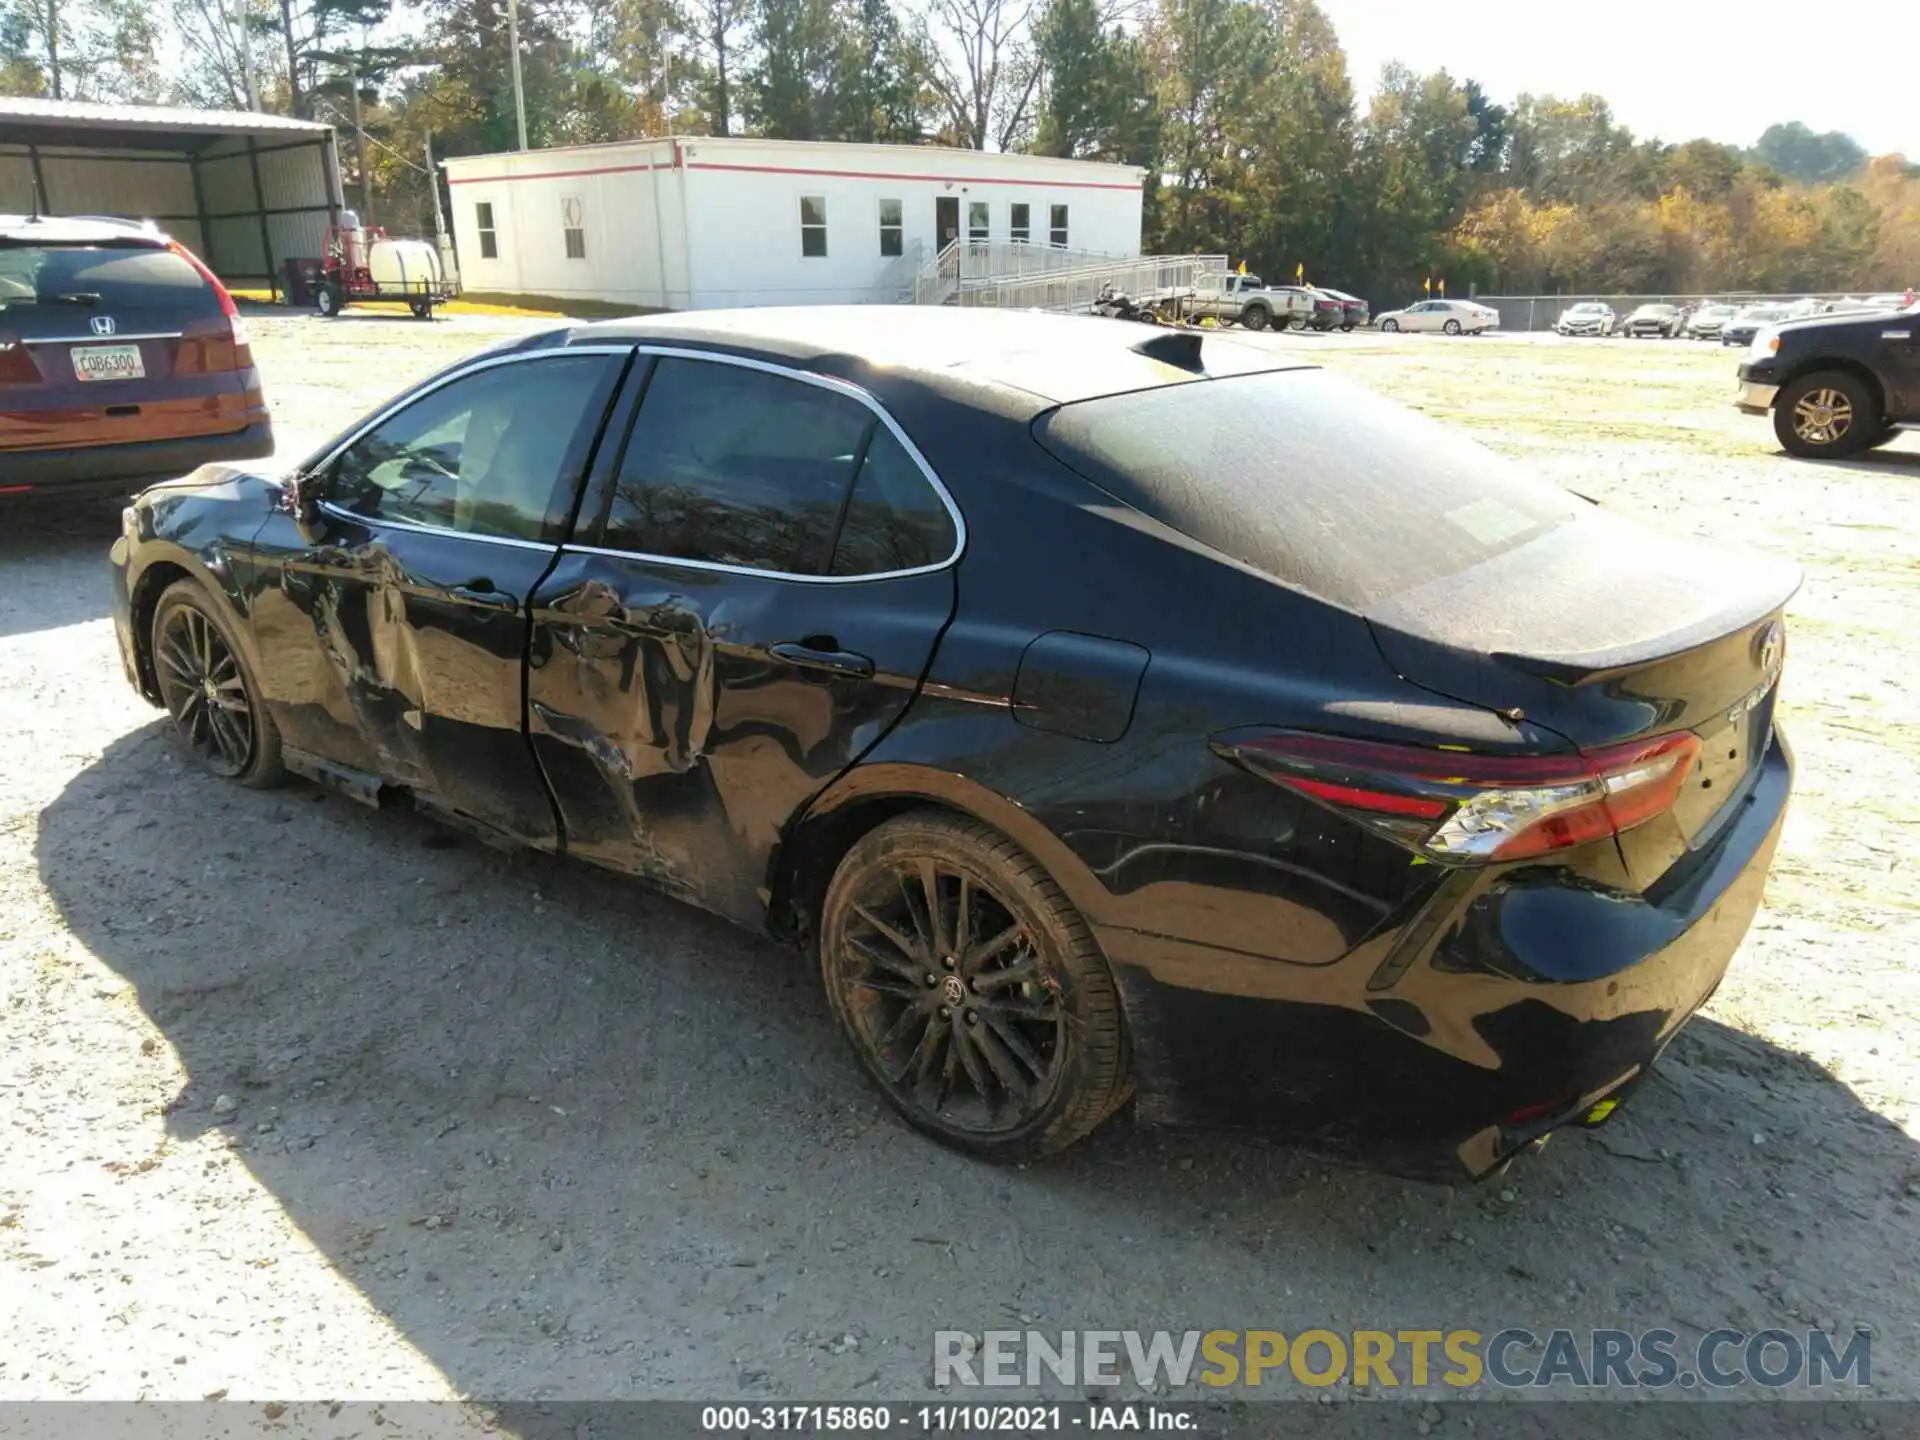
pixel 1672 69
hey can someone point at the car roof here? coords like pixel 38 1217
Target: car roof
pixel 1052 358
pixel 76 230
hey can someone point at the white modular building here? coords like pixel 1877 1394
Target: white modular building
pixel 699 222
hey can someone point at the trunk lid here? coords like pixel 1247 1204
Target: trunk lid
pixel 1604 632
pixel 104 344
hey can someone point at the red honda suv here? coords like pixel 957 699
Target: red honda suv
pixel 122 361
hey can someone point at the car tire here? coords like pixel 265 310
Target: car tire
pixel 1825 416
pixel 1390 327
pixel 1452 327
pixel 326 299
pixel 210 693
pixel 1004 1068
pixel 1255 317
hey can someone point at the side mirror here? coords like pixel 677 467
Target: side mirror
pixel 298 494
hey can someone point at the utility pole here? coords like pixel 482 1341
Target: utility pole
pixel 246 58
pixel 513 46
pixel 360 144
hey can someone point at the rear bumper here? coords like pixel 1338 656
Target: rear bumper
pixel 1507 1006
pixel 103 469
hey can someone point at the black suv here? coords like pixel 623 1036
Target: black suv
pixel 1837 385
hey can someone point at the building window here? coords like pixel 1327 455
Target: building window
pixel 489 238
pixel 977 221
pixel 813 226
pixel 573 221
pixel 892 229
pixel 1019 225
pixel 1057 232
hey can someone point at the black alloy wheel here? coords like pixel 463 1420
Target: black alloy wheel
pixel 1254 317
pixel 970 989
pixel 208 693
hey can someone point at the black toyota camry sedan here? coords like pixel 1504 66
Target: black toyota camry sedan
pixel 1113 717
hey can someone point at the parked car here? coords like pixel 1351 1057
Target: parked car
pixel 1451 317
pixel 1353 310
pixel 122 361
pixel 1589 317
pixel 929 640
pixel 1666 321
pixel 1323 311
pixel 1705 321
pixel 1835 386
pixel 1741 329
pixel 1249 301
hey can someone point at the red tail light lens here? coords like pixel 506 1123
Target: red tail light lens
pixel 1465 808
pixel 16 361
pixel 236 327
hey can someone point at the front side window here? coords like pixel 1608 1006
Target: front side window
pixel 1019 223
pixel 735 466
pixel 573 221
pixel 1057 230
pixel 489 237
pixel 813 226
pixel 977 221
pixel 494 453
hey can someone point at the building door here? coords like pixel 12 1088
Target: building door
pixel 946 219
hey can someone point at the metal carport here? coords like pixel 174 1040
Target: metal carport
pixel 242 190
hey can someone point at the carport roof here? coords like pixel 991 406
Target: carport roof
pixel 170 127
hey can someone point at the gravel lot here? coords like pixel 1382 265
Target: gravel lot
pixel 307 1102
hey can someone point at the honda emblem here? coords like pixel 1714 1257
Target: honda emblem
pixel 102 325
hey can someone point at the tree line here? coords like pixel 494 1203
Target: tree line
pixel 1242 112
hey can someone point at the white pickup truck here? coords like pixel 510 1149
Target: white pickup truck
pixel 1249 300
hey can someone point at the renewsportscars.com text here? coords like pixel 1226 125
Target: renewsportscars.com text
pixel 1513 1358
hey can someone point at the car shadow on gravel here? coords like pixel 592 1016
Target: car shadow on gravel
pixel 577 1141
pixel 40 543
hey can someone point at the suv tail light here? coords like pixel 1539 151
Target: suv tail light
pixel 16 361
pixel 234 329
pixel 1463 808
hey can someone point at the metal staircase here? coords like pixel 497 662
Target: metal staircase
pixel 1012 276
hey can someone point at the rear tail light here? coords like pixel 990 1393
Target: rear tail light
pixel 236 327
pixel 16 361
pixel 1470 809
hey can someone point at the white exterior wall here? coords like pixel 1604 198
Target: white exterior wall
pixel 629 204
pixel 740 243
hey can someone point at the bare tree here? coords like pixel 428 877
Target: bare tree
pixel 983 68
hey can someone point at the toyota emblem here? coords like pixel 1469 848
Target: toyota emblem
pixel 1771 643
pixel 102 325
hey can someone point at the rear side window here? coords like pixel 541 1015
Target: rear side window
pixel 102 279
pixel 730 465
pixel 1313 480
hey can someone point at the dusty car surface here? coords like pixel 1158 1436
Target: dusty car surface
pixel 945 644
pixel 122 361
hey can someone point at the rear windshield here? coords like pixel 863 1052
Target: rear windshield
pixel 101 277
pixel 1313 480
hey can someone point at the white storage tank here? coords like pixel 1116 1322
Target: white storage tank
pixel 404 265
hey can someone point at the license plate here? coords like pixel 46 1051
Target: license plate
pixel 108 362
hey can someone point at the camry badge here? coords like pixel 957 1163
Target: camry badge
pixel 1771 642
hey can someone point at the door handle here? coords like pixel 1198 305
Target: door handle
pixel 481 592
pixel 824 657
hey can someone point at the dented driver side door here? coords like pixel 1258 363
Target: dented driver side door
pixel 397 618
